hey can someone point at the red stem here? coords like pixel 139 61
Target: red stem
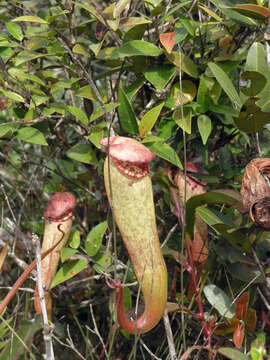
pixel 25 275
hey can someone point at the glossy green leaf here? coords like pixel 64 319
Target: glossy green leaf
pixel 159 76
pixel 232 353
pixel 256 59
pixel 219 300
pixel 66 253
pixel 211 197
pixel 6 130
pixel 183 120
pixel 86 92
pixel 68 271
pixel 30 18
pixel 79 49
pixel 83 153
pixel 226 84
pixel 166 152
pixel 13 96
pixel 149 119
pixel 75 240
pixel 94 239
pixel 98 132
pixel 78 113
pixel 136 48
pixel 31 135
pixel 22 76
pixel 186 95
pixel 14 30
pixel 132 21
pixel 205 127
pixel 126 114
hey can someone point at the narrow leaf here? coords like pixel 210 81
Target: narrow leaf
pixel 233 354
pixel 149 120
pixel 15 30
pixel 226 84
pixel 126 114
pixel 29 18
pixel 165 152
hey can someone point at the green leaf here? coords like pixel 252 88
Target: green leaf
pixel 22 76
pixel 166 152
pixel 15 30
pixel 136 48
pixel 13 96
pixel 68 271
pixel 187 65
pixel 256 59
pixel 98 132
pixel 79 49
pixel 185 121
pixel 6 130
pixel 132 21
pixel 252 83
pixel 91 10
pixel 86 92
pixel 211 197
pixel 30 18
pixel 98 112
pixel 149 119
pixel 78 113
pixel 94 239
pixel 226 84
pixel 205 127
pixel 233 354
pixel 251 119
pixel 219 300
pixel 159 76
pixel 83 153
pixel 31 135
pixel 126 114
pixel 67 253
pixel 75 240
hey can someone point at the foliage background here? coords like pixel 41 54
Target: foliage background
pixel 73 71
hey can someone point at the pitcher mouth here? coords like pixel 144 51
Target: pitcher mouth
pixel 63 218
pixel 132 169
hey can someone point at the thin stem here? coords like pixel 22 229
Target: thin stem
pixel 47 329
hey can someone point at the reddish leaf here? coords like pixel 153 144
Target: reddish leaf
pixel 251 320
pixel 239 334
pixel 254 10
pixel 242 306
pixel 167 40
